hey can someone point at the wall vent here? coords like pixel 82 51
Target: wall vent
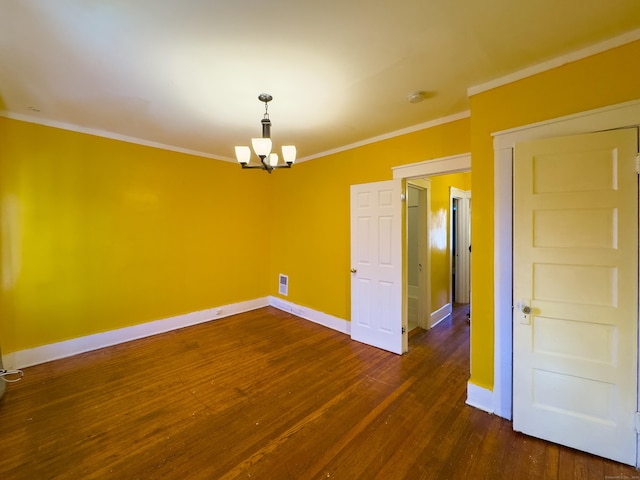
pixel 283 283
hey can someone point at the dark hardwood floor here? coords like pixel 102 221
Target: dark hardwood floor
pixel 266 395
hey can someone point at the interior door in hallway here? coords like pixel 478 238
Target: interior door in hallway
pixel 376 265
pixel 461 244
pixel 575 319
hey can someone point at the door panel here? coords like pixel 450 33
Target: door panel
pixel 576 292
pixel 376 260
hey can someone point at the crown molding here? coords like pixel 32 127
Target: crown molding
pixel 387 136
pixel 612 43
pixel 106 134
pixel 139 141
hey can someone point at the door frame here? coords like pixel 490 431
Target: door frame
pixel 624 115
pixel 428 168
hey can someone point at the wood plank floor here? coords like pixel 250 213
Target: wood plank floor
pixel 266 395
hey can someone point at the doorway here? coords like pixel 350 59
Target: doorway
pixel 460 244
pixel 428 246
pixel 370 323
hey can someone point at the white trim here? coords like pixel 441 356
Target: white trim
pixel 55 351
pixel 387 136
pixel 479 397
pixel 615 42
pixel 439 166
pixel 615 116
pixel 605 118
pixel 148 143
pixel 503 282
pixel 68 348
pixel 312 315
pixel 439 315
pixel 111 135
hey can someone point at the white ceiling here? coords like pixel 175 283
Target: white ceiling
pixel 187 73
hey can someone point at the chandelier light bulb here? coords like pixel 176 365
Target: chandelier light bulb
pixel 289 153
pixel 243 154
pixel 262 146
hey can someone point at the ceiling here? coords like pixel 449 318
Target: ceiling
pixel 187 73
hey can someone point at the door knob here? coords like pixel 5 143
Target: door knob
pixel 354 270
pixel 525 307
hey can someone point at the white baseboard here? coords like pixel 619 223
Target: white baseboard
pixel 440 314
pixel 315 316
pixel 479 397
pixel 55 351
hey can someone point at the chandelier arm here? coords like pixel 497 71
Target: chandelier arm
pixel 256 167
pixel 265 164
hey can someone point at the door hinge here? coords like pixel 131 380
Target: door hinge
pixel 403 330
pixel 638 163
pixel 637 422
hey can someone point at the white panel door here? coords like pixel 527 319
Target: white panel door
pixel 575 319
pixel 376 264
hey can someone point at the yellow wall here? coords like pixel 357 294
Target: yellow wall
pixel 99 234
pixel 604 79
pixel 311 237
pixel 440 235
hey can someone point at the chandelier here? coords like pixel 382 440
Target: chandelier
pixel 262 146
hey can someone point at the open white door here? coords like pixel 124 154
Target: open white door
pixel 376 264
pixel 418 253
pixel 575 319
